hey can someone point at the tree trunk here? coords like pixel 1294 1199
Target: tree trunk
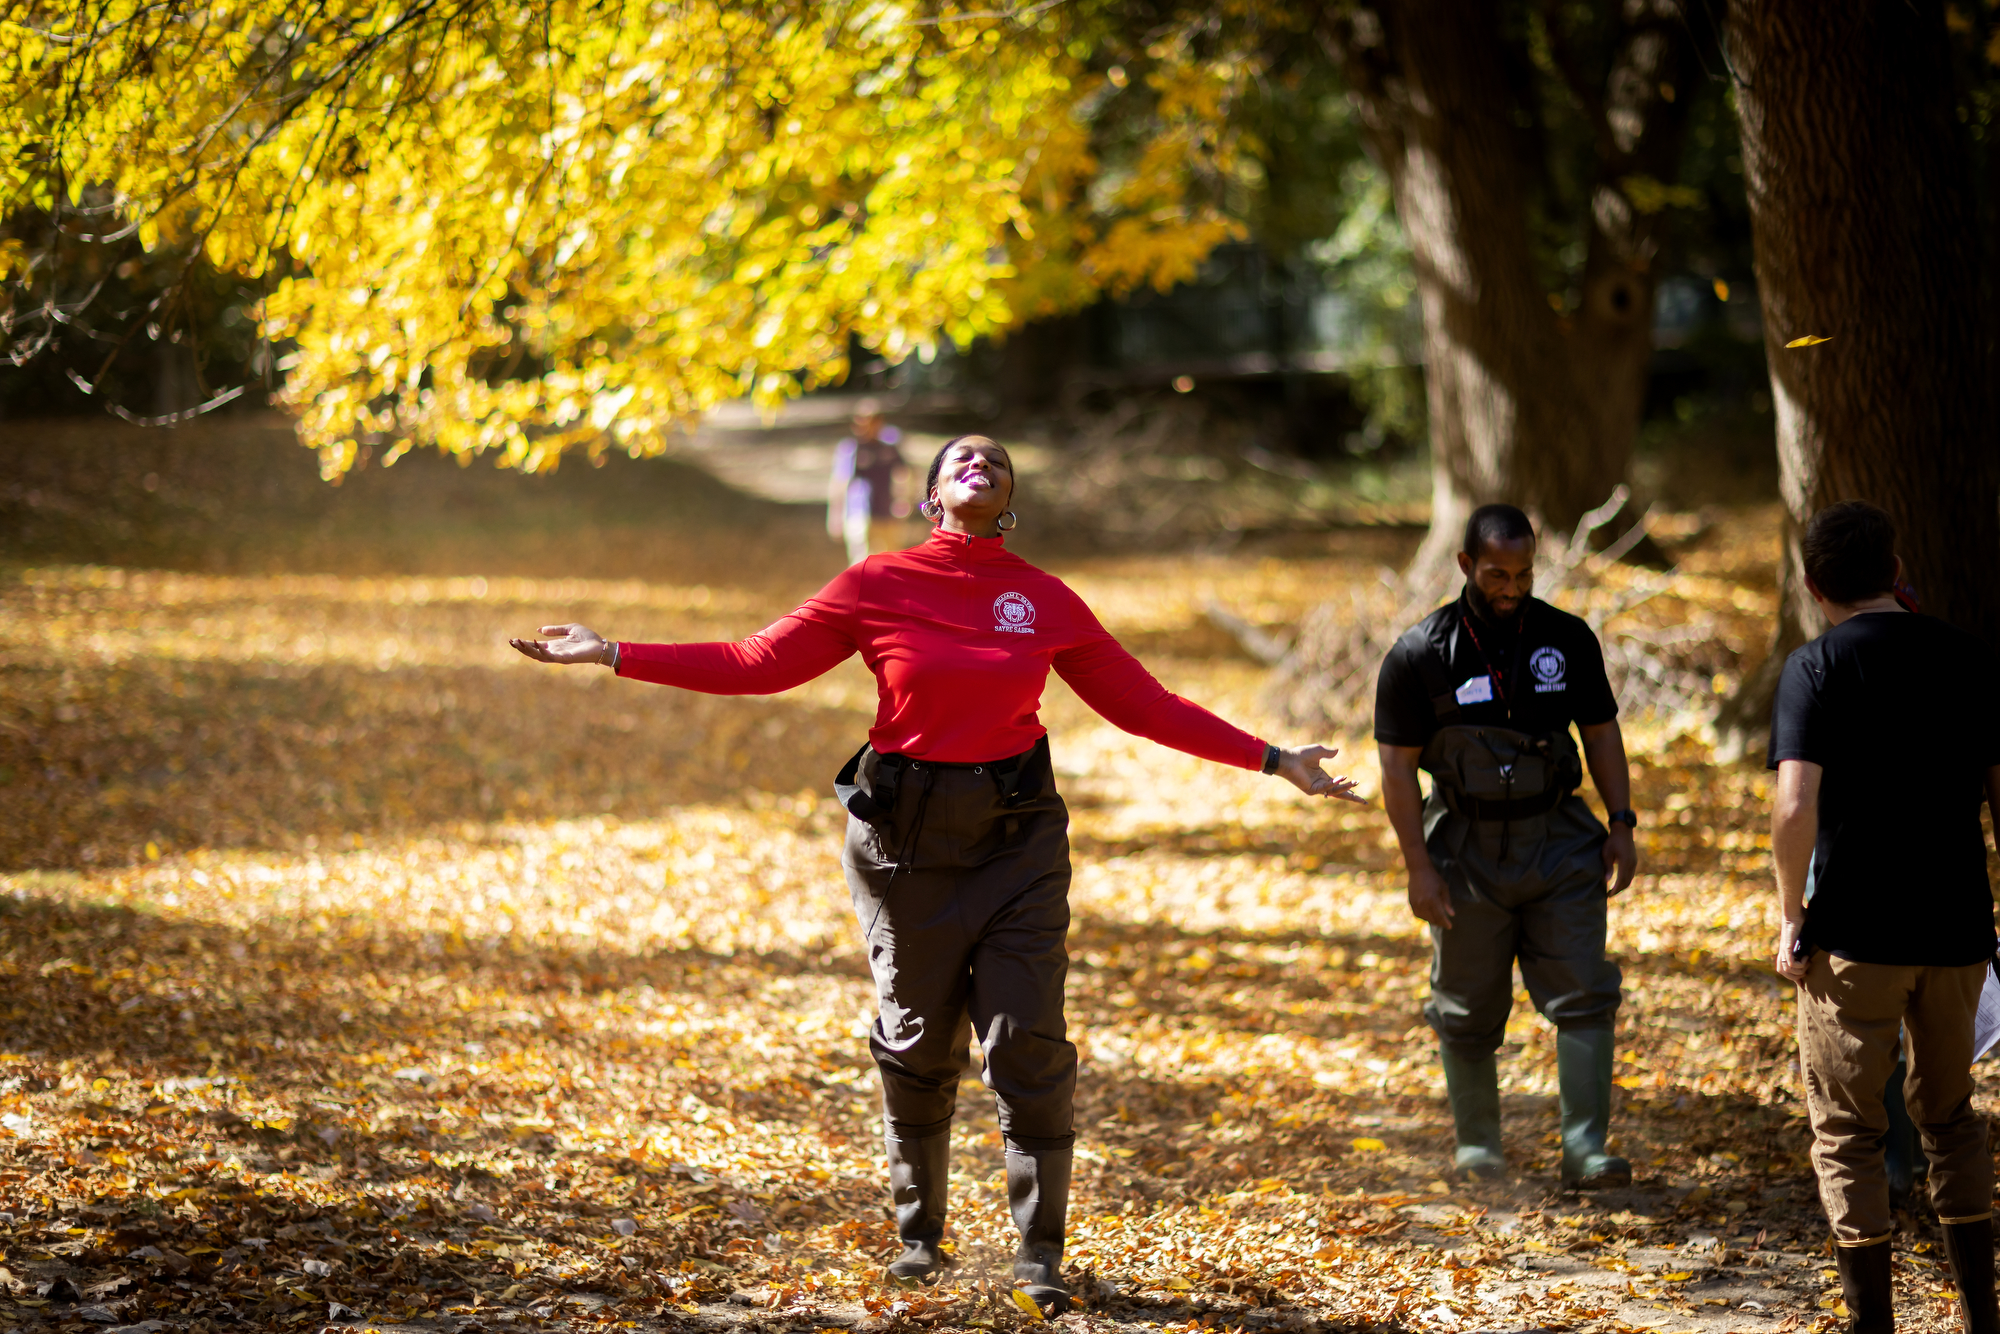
pixel 1529 403
pixel 1863 214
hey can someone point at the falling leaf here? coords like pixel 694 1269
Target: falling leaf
pixel 1809 340
pixel 1366 1144
pixel 1028 1306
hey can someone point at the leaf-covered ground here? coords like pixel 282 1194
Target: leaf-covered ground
pixel 358 970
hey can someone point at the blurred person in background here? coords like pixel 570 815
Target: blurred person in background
pixel 1505 861
pixel 865 490
pixel 957 848
pixel 1886 740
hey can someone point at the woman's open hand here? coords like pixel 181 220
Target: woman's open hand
pixel 579 643
pixel 1301 769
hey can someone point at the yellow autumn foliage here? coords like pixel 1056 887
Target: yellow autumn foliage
pixel 541 225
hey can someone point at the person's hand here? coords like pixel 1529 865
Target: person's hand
pixel 579 643
pixel 1301 769
pixel 1621 858
pixel 1430 898
pixel 1788 934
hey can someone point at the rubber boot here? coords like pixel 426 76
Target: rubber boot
pixel 1901 1154
pixel 1583 1076
pixel 1038 1193
pixel 1864 1286
pixel 1969 1248
pixel 1473 1085
pixel 919 1184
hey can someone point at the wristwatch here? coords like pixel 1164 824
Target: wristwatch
pixel 1627 817
pixel 1271 757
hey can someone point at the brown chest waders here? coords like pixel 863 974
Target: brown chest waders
pixel 960 879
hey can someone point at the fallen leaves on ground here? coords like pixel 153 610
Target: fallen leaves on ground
pixel 356 968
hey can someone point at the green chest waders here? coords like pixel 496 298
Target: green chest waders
pixel 1522 858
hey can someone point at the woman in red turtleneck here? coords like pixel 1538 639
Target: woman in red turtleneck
pixel 957 852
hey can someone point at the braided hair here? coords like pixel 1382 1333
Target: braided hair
pixel 937 463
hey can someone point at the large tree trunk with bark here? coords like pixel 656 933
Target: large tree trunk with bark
pixel 1865 225
pixel 1534 391
pixel 1528 403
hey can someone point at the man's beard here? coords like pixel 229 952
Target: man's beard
pixel 1485 610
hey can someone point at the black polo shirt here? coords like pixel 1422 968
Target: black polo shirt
pixel 1540 672
pixel 1898 712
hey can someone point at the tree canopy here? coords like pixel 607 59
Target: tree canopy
pixel 539 226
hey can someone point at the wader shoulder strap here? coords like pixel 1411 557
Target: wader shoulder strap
pixel 1427 655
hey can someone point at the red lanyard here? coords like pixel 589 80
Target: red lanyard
pixel 1493 673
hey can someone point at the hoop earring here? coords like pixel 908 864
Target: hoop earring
pixel 929 509
pixel 1006 527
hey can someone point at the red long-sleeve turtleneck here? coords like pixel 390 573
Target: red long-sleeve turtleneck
pixel 961 635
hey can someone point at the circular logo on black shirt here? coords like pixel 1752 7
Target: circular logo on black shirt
pixel 1548 666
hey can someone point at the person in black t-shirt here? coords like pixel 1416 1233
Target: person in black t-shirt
pixel 1505 861
pixel 1886 741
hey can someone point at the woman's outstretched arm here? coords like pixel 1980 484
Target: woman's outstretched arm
pixel 1119 688
pixel 788 653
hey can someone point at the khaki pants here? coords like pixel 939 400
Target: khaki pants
pixel 1849 1018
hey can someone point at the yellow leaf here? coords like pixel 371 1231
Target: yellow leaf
pixel 1721 290
pixel 152 851
pixel 1630 1081
pixel 1124 1153
pixel 1367 1145
pixel 1678 1276
pixel 1180 1285
pixel 1028 1307
pixel 1810 340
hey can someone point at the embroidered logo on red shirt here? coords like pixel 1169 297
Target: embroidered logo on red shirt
pixel 1014 614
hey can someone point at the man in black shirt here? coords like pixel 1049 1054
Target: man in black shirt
pixel 1886 742
pixel 1505 861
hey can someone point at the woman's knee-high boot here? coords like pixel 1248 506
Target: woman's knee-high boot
pixel 919 1183
pixel 1038 1191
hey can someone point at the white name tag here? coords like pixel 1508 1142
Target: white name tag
pixel 1479 690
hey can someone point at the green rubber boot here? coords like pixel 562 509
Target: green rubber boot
pixel 1474 1089
pixel 1583 1074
